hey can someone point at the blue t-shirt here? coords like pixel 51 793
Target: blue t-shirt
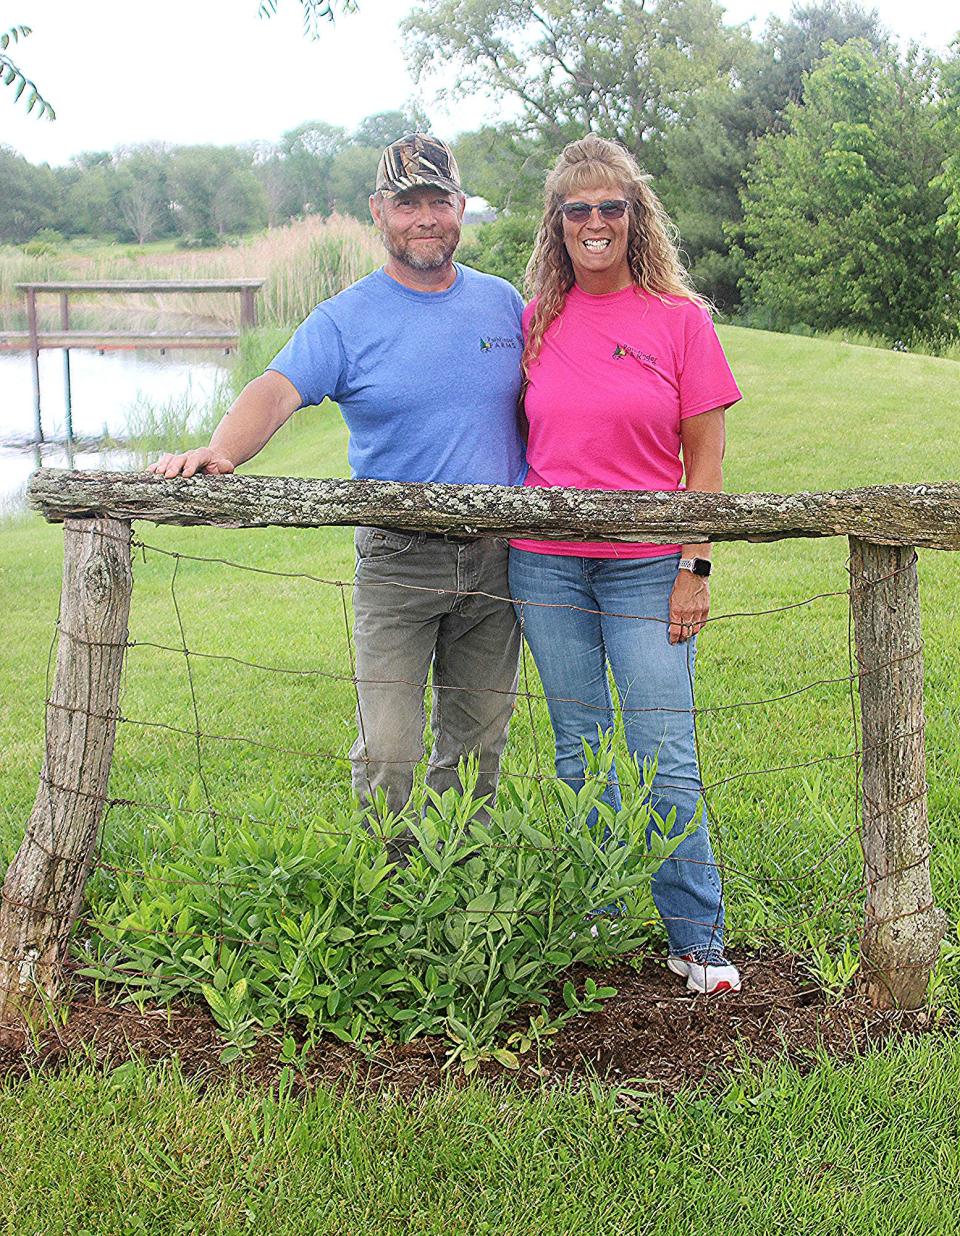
pixel 426 381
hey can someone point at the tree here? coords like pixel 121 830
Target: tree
pixel 841 209
pixel 505 166
pixel 705 155
pixel 29 201
pixel 142 191
pixel 306 154
pixel 269 169
pixel 89 195
pixel 382 128
pixel 627 69
pixel 948 225
pixel 12 75
pixel 314 12
pixel 704 161
pixel 502 247
pixel 238 203
pixel 213 191
pixel 791 47
pixel 353 174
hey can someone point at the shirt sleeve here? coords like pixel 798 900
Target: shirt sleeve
pixel 313 359
pixel 706 381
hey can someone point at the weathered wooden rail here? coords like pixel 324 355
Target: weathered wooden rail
pixel 44 884
pixel 922 515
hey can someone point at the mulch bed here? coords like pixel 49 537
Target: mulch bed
pixel 652 1033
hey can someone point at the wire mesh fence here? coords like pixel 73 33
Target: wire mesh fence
pixel 228 733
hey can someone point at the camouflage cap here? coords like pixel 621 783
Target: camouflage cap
pixel 417 159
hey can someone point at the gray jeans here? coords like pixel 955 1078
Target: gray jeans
pixel 420 600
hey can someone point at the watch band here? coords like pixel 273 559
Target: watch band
pixel 698 566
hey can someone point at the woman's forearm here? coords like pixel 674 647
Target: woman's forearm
pixel 703 440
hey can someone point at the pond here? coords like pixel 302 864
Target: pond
pixel 109 394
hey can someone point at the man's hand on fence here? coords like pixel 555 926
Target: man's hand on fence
pixel 689 606
pixel 203 459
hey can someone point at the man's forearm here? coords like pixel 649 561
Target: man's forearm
pixel 252 420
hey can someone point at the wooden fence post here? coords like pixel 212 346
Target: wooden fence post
pixel 44 883
pixel 248 308
pixel 903 928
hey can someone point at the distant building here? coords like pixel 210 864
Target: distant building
pixel 479 210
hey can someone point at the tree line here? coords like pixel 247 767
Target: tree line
pixel 812 170
pixel 199 194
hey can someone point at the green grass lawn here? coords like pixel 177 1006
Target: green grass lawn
pixel 870 1147
pixel 866 1149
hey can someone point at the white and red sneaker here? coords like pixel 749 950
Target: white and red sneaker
pixel 706 979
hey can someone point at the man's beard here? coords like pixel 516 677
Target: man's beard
pixel 422 257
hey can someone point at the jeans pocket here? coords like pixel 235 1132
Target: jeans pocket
pixel 381 543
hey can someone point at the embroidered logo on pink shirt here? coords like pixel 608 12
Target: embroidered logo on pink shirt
pixel 624 349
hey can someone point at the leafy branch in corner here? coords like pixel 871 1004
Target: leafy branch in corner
pixel 12 75
pixel 314 12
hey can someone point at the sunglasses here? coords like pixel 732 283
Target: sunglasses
pixel 580 212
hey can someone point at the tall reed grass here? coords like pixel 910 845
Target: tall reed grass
pixel 179 423
pixel 174 424
pixel 302 263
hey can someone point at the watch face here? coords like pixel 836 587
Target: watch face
pixel 701 566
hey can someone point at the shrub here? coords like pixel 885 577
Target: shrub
pixel 211 241
pixel 502 248
pixel 318 924
pixel 45 242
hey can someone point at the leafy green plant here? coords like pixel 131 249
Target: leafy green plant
pixel 318 924
pixel 502 248
pixel 232 1012
pixel 542 1027
pixel 47 241
pixel 11 75
pixel 834 971
pixel 943 994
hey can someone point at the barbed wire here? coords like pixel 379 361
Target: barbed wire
pixel 817 906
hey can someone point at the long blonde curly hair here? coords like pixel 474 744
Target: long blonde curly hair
pixel 651 239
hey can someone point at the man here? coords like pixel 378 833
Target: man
pixel 423 358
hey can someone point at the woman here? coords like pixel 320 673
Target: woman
pixel 626 389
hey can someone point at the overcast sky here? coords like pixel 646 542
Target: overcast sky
pixel 187 71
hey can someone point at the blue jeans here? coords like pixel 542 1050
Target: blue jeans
pixel 598 611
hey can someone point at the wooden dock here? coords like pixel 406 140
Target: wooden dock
pixel 33 340
pixel 108 340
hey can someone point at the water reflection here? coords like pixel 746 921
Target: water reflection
pixel 108 393
pixel 17 463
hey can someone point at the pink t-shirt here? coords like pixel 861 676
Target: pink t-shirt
pixel 615 376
